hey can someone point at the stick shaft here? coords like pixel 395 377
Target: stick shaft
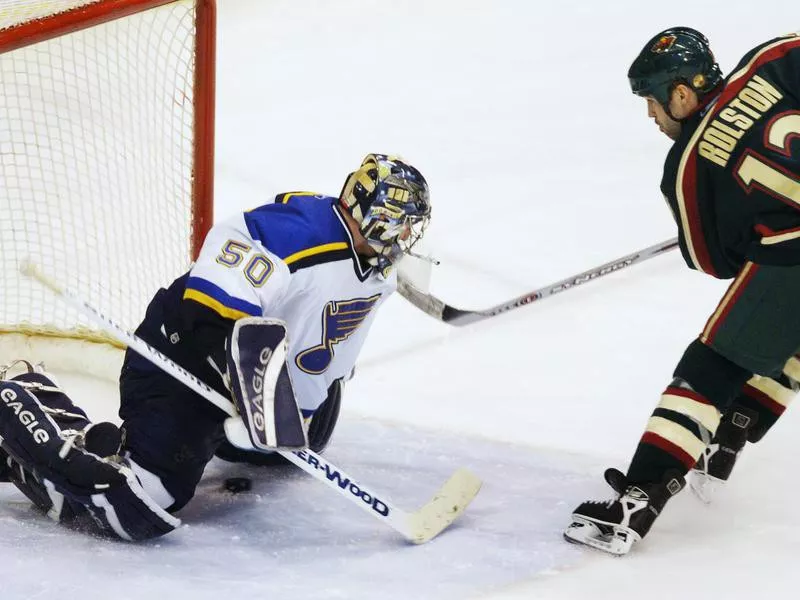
pixel 442 311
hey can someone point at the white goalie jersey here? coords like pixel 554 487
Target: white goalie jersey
pixel 294 260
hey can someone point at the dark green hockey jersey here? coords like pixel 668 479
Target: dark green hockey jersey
pixel 732 178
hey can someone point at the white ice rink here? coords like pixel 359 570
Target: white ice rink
pixel 541 164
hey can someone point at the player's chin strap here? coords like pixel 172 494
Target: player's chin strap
pixel 418 527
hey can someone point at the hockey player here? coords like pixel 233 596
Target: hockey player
pixel 273 314
pixel 732 181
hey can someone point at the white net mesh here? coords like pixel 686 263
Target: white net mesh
pixel 96 150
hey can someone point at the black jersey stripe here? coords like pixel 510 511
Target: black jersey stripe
pixel 320 258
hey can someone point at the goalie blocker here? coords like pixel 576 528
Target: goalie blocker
pixel 269 417
pixel 320 430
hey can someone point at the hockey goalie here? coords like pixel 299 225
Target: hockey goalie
pixel 272 315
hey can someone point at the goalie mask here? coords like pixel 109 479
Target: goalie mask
pixel 390 201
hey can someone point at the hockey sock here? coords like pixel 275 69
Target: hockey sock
pixel 688 414
pixel 676 434
pixel 768 399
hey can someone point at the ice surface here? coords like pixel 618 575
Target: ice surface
pixel 541 165
pixel 291 537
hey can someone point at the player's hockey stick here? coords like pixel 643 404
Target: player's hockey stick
pixel 420 526
pixel 456 316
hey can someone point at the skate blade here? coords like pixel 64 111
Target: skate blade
pixel 618 541
pixel 705 487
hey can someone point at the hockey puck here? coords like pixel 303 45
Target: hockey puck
pixel 236 485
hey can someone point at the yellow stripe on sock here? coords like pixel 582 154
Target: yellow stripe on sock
pixel 792 368
pixel 778 393
pixel 677 434
pixel 707 415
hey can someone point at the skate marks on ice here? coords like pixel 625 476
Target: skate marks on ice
pixel 290 537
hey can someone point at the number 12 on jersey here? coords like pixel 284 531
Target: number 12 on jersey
pixel 754 169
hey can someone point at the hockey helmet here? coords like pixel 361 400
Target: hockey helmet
pixel 390 201
pixel 676 55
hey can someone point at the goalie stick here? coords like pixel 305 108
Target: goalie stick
pixel 442 311
pixel 418 527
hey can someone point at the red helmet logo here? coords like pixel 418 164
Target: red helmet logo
pixel 664 43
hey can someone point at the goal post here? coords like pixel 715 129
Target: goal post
pixel 106 163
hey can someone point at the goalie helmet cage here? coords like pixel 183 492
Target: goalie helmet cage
pixel 106 163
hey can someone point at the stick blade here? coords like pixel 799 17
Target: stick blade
pixel 445 507
pixel 423 301
pixel 29 268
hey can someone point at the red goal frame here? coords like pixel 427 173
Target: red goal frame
pixel 103 11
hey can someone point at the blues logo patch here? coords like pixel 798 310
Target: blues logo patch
pixel 340 319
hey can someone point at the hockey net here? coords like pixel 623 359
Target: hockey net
pixel 106 164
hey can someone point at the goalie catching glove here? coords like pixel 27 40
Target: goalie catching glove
pixel 269 417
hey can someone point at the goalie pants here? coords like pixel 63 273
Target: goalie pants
pixel 168 429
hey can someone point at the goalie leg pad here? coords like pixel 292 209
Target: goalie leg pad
pixel 261 385
pixel 60 476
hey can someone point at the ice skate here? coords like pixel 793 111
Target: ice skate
pixel 716 463
pixel 615 525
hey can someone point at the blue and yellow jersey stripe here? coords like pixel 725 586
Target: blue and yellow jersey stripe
pixel 214 297
pixel 286 197
pixel 315 250
pixel 301 228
